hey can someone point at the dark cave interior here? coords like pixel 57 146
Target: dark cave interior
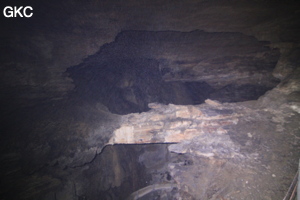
pixel 128 74
pixel 79 73
pixel 125 76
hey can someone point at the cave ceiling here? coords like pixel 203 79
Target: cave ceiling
pixel 141 66
pixel 37 51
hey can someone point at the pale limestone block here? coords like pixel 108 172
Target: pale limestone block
pixel 212 102
pixel 226 122
pixel 221 131
pixel 154 105
pixel 124 134
pixel 144 137
pixel 180 124
pixel 183 113
pixel 174 136
pixel 192 132
pixel 209 123
pixel 194 112
pixel 148 126
pixel 208 155
pixel 157 117
pixel 178 136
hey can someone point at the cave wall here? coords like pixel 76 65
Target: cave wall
pixel 37 51
pixel 141 67
pixel 50 140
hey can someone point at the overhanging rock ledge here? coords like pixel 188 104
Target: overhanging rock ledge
pixel 207 122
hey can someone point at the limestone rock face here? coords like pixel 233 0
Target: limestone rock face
pixel 103 99
pixel 220 148
pixel 173 124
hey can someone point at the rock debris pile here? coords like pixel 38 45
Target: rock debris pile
pixel 205 125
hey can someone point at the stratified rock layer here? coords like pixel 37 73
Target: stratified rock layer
pixel 173 124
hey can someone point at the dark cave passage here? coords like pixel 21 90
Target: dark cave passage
pixel 121 170
pixel 138 68
pixel 142 67
pixel 149 100
pixel 127 86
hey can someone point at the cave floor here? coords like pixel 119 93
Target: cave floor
pixel 254 157
pixel 264 166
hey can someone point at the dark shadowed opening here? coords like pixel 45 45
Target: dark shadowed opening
pixel 141 67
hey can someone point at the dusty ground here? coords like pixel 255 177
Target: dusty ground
pixel 267 160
